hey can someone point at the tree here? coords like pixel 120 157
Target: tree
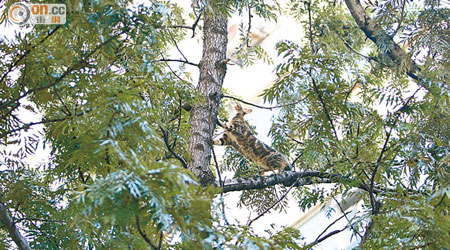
pixel 204 114
pixel 130 137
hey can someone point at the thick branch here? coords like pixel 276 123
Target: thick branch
pixel 20 241
pixel 375 33
pixel 287 178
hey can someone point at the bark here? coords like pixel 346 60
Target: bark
pixel 14 233
pixel 203 117
pixel 375 33
pixel 286 178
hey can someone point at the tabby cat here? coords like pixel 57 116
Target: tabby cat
pixel 238 135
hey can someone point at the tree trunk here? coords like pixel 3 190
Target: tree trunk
pixel 204 114
pixel 14 233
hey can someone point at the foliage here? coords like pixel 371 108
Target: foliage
pixel 105 102
pixel 339 125
pixel 418 223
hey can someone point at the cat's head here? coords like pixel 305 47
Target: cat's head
pixel 240 110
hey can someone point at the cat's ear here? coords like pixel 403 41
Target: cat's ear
pixel 247 111
pixel 237 106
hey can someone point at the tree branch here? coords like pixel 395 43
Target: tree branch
pixel 221 185
pixel 440 202
pixel 374 204
pixel 80 64
pixel 315 87
pixel 166 141
pixel 193 25
pixel 43 121
pixel 160 240
pixel 274 204
pixel 372 178
pixel 217 167
pixel 244 43
pixel 26 52
pixel 326 237
pixel 325 109
pixel 402 15
pixel 286 178
pixel 345 215
pixel 39 219
pixel 375 33
pixel 142 233
pixel 176 46
pixel 31 124
pixel 348 45
pixel 330 225
pixel 384 149
pixel 173 72
pixel 176 60
pixel 14 233
pixel 262 107
pixel 367 233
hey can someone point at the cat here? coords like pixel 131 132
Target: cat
pixel 238 135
